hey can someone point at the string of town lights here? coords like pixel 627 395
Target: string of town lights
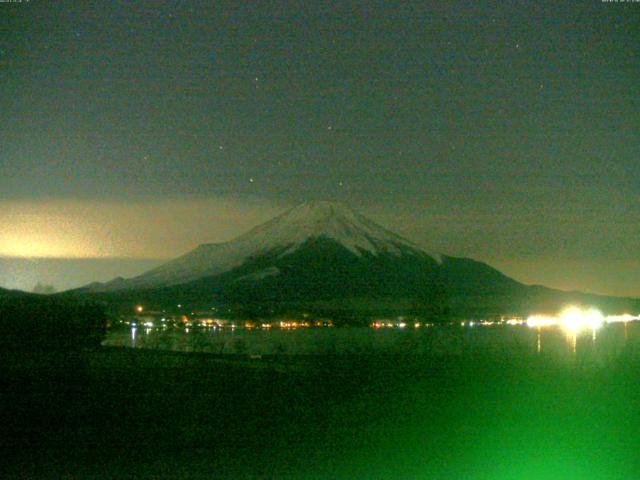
pixel 572 320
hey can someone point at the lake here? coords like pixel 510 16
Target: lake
pixel 599 345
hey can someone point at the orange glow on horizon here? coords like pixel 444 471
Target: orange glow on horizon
pixel 76 229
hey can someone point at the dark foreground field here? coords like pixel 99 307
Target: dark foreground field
pixel 136 414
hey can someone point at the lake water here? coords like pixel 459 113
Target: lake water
pixel 605 343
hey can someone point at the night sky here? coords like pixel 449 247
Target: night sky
pixel 507 132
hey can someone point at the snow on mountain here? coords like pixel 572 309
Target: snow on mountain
pixel 328 219
pixel 283 234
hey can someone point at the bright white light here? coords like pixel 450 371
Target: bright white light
pixel 594 319
pixel 539 321
pixel 622 318
pixel 572 320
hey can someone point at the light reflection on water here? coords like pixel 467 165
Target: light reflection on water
pixel 611 340
pixel 133 336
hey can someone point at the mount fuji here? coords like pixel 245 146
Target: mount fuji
pixel 291 232
pixel 323 255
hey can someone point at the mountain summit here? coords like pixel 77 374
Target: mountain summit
pixel 330 220
pixel 282 235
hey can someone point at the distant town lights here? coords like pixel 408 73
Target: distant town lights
pixel 622 318
pixel 572 319
pixel 538 321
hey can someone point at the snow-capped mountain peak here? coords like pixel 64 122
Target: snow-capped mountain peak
pixel 325 219
pixel 283 234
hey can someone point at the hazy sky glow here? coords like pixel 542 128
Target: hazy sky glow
pixel 502 131
pixel 150 228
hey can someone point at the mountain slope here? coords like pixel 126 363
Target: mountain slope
pixel 15 293
pixel 323 256
pixel 278 237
